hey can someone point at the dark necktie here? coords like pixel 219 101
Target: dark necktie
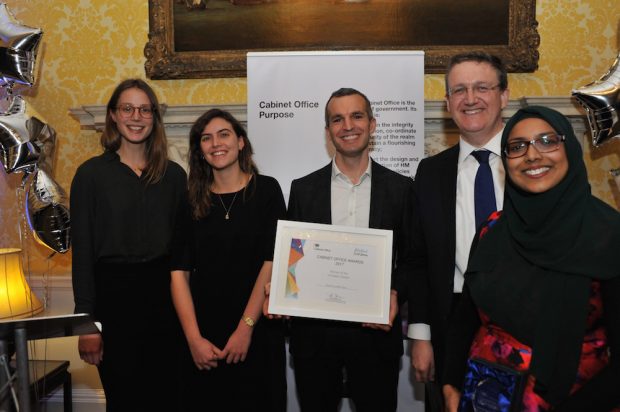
pixel 484 194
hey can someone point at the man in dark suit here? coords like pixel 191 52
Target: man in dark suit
pixel 352 190
pixel 444 217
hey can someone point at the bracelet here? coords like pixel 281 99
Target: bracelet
pixel 248 321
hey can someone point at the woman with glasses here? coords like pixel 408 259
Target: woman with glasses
pixel 224 261
pixel 123 208
pixel 538 327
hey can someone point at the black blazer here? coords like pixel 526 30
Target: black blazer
pixel 390 208
pixel 434 242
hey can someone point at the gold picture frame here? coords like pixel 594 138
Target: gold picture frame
pixel 180 45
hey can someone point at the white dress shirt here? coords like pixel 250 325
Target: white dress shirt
pixel 467 166
pixel 350 202
pixel 465 208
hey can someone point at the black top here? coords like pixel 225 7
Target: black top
pixel 116 217
pixel 225 256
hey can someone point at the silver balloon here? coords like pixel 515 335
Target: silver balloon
pixel 48 212
pixel 20 147
pixel 43 136
pixel 18 51
pixel 601 100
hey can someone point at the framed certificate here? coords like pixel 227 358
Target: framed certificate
pixel 331 272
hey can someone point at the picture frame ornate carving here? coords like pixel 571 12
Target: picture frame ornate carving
pixel 517 45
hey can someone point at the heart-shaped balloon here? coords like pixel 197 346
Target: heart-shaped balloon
pixel 601 100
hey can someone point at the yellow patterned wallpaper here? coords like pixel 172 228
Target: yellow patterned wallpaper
pixel 89 45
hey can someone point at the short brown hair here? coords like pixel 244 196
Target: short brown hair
pixel 347 91
pixel 479 57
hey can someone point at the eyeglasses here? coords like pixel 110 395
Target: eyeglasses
pixel 479 89
pixel 126 111
pixel 544 144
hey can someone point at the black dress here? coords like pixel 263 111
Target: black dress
pixel 224 257
pixel 122 229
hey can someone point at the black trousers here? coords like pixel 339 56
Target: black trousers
pixel 141 336
pixel 433 391
pixel 372 377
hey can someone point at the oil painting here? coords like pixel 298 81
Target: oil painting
pixel 210 38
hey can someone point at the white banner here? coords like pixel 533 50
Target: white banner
pixel 287 93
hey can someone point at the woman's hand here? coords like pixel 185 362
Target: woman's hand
pixel 204 353
pixel 236 348
pixel 90 348
pixel 451 396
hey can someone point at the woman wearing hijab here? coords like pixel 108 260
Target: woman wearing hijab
pixel 542 297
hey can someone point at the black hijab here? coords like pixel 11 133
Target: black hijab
pixel 532 272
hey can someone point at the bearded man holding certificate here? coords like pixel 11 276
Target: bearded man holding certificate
pixel 353 190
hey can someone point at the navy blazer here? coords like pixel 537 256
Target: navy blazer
pixel 391 208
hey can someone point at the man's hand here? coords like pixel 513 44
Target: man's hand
pixel 266 305
pixel 91 348
pixel 451 397
pixel 423 360
pixel 393 313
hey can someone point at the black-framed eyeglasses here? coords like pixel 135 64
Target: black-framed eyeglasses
pixel 544 143
pixel 479 89
pixel 127 110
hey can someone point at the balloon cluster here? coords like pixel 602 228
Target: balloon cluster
pixel 601 100
pixel 27 144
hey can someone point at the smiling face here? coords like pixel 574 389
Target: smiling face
pixel 536 172
pixel 477 115
pixel 349 125
pixel 220 145
pixel 134 129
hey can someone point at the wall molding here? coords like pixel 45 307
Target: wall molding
pixel 179 119
pixel 440 131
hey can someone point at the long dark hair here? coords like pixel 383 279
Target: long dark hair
pixel 156 145
pixel 200 171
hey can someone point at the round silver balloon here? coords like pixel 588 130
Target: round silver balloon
pixel 601 100
pixel 18 49
pixel 48 212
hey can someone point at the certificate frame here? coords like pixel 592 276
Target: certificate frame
pixel 346 275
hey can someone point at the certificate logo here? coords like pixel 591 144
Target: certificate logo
pixel 319 248
pixel 360 252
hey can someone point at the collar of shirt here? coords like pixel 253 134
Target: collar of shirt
pixel 337 173
pixel 494 146
pixel 350 203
